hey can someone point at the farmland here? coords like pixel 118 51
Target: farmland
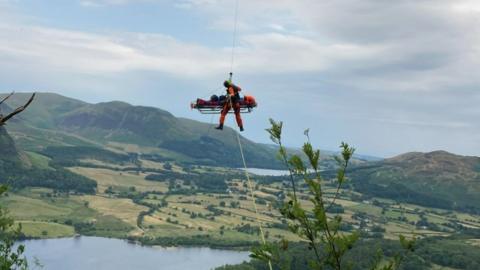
pixel 127 205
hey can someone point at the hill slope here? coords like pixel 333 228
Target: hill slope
pixel 8 150
pixel 438 179
pixel 17 171
pixel 56 120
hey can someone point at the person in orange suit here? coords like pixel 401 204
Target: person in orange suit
pixel 233 99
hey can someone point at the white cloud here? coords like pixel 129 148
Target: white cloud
pixel 407 64
pixel 56 49
pixel 100 3
pixel 90 4
pixel 96 53
pixel 407 45
pixel 467 6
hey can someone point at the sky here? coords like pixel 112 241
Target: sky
pixel 388 77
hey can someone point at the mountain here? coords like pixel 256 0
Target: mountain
pixel 54 120
pixel 8 148
pixel 17 170
pixel 54 124
pixel 437 179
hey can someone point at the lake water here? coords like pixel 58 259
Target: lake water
pixel 267 172
pixel 114 254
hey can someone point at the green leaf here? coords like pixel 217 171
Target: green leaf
pixel 275 131
pixel 347 151
pixel 313 156
pixel 297 164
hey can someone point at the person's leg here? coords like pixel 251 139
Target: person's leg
pixel 224 113
pixel 238 116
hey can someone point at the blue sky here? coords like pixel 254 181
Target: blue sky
pixel 388 77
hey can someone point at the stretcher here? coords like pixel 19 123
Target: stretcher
pixel 215 107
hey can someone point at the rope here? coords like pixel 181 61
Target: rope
pixel 247 175
pixel 210 125
pixel 234 38
pixel 250 186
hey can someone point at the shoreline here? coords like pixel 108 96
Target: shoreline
pixel 242 246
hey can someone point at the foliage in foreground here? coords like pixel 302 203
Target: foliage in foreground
pixel 323 236
pixel 431 252
pixel 11 258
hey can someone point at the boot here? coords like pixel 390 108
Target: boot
pixel 220 127
pixel 241 128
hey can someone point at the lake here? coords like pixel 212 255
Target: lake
pixel 114 254
pixel 266 172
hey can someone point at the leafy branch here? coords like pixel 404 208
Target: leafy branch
pixel 275 132
pixel 10 258
pixel 313 225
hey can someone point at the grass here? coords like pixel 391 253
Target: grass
pixel 39 161
pixel 25 208
pixel 179 211
pixel 394 229
pixel 367 208
pixel 122 209
pixel 106 178
pixel 111 226
pixel 204 199
pixel 148 164
pixel 103 163
pixel 190 207
pixel 38 214
pixel 134 148
pixel 116 217
pixel 158 226
pixel 40 229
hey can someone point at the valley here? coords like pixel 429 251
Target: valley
pixel 127 205
pixel 72 172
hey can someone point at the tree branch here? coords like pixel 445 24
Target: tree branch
pixel 18 110
pixel 7 97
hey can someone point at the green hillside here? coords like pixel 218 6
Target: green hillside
pixel 7 146
pixel 20 170
pixel 436 179
pixel 54 120
pixel 55 125
pixel 45 112
pixel 117 170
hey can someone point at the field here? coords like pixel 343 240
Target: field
pixel 108 178
pixel 126 204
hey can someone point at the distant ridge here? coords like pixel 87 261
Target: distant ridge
pixel 438 179
pixel 54 120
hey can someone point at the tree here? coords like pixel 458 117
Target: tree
pixel 321 233
pixel 10 258
pixel 5 118
pixel 167 166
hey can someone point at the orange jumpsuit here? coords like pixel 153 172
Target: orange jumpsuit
pixel 232 91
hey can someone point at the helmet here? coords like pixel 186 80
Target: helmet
pixel 214 98
pixel 226 83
